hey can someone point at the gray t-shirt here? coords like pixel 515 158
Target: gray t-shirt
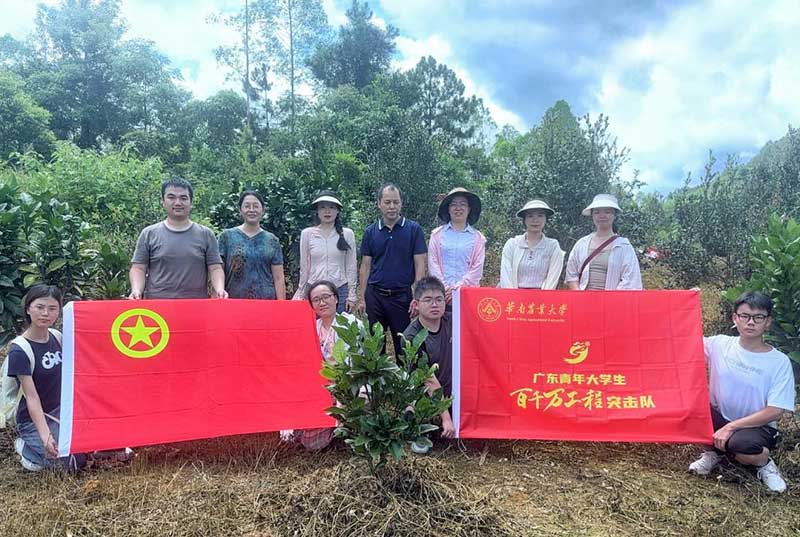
pixel 177 261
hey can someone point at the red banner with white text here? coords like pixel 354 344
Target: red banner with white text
pixel 156 371
pixel 580 365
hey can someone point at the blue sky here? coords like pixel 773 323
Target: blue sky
pixel 676 78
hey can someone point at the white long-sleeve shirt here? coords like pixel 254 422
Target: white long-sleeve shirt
pixel 623 265
pixel 548 254
pixel 321 259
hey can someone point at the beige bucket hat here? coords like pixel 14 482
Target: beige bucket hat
pixel 608 201
pixel 329 199
pixel 536 204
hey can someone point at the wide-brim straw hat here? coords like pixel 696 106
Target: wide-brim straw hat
pixel 473 200
pixel 329 199
pixel 600 201
pixel 536 204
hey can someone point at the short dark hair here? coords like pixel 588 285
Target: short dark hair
pixel 329 284
pixel 428 283
pixel 754 299
pixel 390 186
pixel 253 193
pixel 39 290
pixel 177 182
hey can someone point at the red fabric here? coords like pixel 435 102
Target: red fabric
pixel 651 338
pixel 229 367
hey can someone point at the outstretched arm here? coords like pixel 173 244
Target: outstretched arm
pixel 217 277
pixel 138 276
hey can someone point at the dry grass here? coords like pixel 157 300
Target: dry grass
pixel 255 486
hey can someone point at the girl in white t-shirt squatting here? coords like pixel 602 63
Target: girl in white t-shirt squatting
pixel 751 384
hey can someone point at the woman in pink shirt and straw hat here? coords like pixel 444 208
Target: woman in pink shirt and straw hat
pixel 456 250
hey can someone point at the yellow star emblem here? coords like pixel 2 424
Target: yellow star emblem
pixel 140 333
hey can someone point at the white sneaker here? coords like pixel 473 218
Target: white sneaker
pixel 19 445
pixel 706 463
pixel 771 477
pixel 420 449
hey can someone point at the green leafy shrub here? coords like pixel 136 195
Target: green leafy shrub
pixel 110 276
pixel 775 261
pixel 377 423
pixel 42 241
pixel 115 191
pixel 55 246
pixel 10 245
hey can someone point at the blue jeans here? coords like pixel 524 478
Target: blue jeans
pixel 33 450
pixel 340 307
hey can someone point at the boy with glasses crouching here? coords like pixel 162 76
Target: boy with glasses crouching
pixel 430 301
pixel 751 384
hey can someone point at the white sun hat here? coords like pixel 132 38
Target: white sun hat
pixel 329 199
pixel 607 201
pixel 536 204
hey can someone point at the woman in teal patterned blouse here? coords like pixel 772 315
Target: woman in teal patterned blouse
pixel 252 256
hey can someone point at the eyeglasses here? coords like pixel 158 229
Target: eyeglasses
pixel 432 300
pixel 321 298
pixel 758 318
pixel 41 308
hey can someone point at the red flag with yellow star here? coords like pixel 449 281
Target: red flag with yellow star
pixel 156 371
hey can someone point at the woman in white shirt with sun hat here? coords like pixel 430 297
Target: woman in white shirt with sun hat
pixel 603 260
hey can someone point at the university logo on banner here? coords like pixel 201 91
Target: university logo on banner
pixel 157 371
pixel 562 365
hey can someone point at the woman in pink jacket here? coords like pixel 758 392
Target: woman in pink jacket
pixel 457 250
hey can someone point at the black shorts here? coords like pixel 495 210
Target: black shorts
pixel 749 441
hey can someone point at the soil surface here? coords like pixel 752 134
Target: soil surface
pixel 257 486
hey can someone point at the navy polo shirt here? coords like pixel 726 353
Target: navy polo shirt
pixel 392 252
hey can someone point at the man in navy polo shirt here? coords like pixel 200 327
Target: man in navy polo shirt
pixel 393 253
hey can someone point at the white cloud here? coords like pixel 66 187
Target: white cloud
pixel 19 16
pixel 182 31
pixel 336 15
pixel 721 75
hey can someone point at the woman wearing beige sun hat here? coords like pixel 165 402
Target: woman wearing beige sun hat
pixel 603 260
pixel 328 252
pixel 532 260
pixel 457 250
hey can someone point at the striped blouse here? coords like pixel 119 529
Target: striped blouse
pixel 535 263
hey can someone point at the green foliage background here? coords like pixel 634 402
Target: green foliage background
pixel 92 122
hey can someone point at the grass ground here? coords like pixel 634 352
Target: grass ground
pixel 255 486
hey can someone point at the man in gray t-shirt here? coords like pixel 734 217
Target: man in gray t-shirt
pixel 176 258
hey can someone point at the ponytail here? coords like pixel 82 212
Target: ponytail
pixel 342 243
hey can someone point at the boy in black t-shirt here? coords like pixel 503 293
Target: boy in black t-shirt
pixel 429 301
